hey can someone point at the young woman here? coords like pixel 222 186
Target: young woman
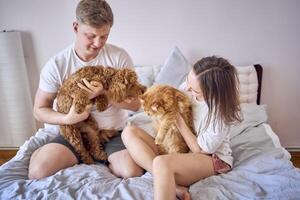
pixel 212 83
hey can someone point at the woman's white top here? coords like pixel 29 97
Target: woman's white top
pixel 211 140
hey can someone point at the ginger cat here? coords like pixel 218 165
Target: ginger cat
pixel 163 103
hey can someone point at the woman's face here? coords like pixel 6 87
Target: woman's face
pixel 193 86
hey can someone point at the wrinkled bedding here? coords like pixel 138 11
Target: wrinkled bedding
pixel 262 170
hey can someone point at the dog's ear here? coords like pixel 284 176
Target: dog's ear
pixel 117 92
pixel 142 88
pixel 142 98
pixel 129 76
pixel 109 71
pixel 136 90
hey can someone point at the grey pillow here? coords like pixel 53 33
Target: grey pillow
pixel 174 70
pixel 253 115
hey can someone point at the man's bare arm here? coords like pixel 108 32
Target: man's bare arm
pixel 43 111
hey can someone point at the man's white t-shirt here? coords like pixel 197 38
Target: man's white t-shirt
pixel 62 65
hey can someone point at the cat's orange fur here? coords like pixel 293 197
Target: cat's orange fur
pixel 163 103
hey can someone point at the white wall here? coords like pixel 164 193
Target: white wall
pixel 245 32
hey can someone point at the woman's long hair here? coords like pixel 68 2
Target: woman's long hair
pixel 219 84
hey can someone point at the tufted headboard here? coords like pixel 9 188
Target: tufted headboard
pixel 250 78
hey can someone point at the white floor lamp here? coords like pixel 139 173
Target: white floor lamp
pixel 16 119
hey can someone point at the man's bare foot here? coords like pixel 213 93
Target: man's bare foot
pixel 182 193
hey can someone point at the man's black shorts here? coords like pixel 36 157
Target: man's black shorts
pixel 113 145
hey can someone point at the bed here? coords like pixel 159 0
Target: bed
pixel 262 168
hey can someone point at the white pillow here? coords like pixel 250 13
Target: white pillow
pixel 174 70
pixel 147 73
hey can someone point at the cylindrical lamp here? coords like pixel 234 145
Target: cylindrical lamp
pixel 16 118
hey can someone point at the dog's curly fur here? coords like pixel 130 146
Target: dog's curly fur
pixel 85 136
pixel 163 103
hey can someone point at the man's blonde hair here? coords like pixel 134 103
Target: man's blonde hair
pixel 95 13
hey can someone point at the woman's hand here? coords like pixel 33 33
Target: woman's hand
pixel 93 88
pixel 179 122
pixel 73 117
pixel 188 136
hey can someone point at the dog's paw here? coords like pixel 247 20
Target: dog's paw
pixel 100 155
pixel 105 135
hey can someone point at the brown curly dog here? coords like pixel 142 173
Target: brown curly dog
pixel 85 136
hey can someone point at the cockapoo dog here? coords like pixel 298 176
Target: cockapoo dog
pixel 163 103
pixel 85 136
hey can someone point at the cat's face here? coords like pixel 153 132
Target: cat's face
pixel 158 100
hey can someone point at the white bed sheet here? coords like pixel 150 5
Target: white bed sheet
pixel 262 170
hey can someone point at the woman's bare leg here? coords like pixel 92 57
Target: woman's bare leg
pixel 140 146
pixel 181 169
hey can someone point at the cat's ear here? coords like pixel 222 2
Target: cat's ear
pixel 179 97
pixel 155 106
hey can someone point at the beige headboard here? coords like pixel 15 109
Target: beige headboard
pixel 250 78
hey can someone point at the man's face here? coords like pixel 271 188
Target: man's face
pixel 90 40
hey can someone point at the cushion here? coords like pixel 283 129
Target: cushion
pixel 248 84
pixel 174 69
pixel 147 73
pixel 253 115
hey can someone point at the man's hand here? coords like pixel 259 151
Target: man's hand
pixel 93 88
pixel 73 117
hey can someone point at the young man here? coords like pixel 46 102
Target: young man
pixel 94 19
